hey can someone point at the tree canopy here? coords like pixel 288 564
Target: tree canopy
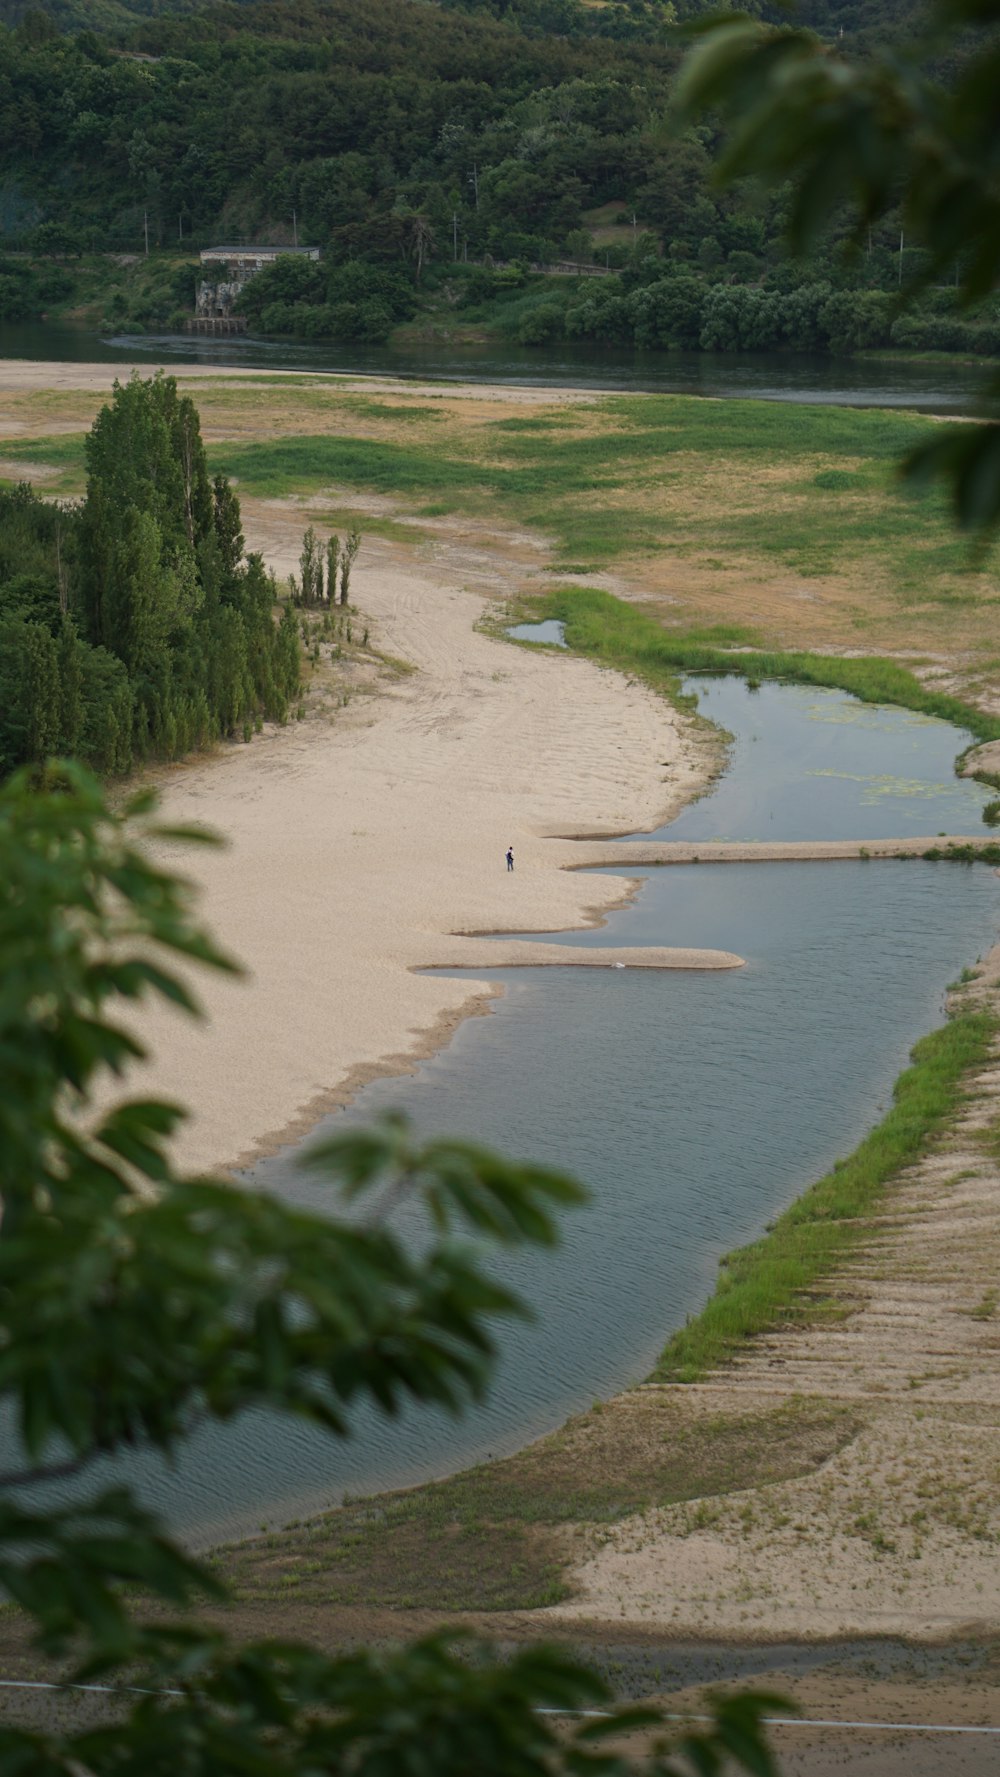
pixel 132 627
pixel 914 131
pixel 416 144
pixel 136 1303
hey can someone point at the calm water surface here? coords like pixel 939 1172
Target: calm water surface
pixel 694 1106
pixel 766 376
pixel 817 764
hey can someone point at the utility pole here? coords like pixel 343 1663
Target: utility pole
pixel 295 228
pixel 454 236
pixel 474 182
pixel 180 228
pixel 145 229
pixel 900 278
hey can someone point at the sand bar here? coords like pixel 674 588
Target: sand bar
pixel 362 850
pixel 525 953
pixel 770 851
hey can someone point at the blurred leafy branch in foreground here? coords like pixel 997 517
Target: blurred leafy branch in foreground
pixel 912 130
pixel 136 1303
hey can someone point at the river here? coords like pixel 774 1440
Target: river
pixel 693 1106
pixel 925 385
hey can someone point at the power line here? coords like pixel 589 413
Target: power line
pixel 770 1721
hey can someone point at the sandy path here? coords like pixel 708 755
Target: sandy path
pixel 357 848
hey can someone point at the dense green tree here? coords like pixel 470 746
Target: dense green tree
pixel 399 139
pixel 348 556
pixel 668 312
pixel 30 692
pixel 228 527
pixel 311 569
pixel 179 641
pixel 135 1302
pixel 915 133
pixel 162 582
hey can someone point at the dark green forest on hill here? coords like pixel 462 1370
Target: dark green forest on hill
pixel 445 157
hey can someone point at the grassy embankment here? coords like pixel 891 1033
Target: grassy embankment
pixel 629 639
pixel 764 1285
pixel 503 1535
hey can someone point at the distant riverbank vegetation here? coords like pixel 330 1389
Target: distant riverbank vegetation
pixel 498 165
pixel 131 626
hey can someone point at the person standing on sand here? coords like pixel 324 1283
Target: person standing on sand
pixel 510 857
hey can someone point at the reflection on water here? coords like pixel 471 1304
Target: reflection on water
pixel 766 376
pixel 694 1106
pixel 551 633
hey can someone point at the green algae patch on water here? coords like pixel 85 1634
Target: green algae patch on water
pixel 619 635
pixel 772 1282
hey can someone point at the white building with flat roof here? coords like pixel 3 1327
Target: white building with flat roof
pixel 251 259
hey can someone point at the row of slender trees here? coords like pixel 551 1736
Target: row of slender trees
pixel 325 572
pixel 134 626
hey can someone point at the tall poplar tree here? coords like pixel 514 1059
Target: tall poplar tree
pixel 163 583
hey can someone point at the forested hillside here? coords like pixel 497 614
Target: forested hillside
pixel 421 145
pixel 132 627
pixel 349 120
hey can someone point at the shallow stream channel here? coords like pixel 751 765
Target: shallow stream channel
pixel 694 1106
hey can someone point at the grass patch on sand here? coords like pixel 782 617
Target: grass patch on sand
pixel 774 1280
pixel 349 518
pixel 813 490
pixel 622 636
pixel 809 490
pixel 63 453
pixel 273 468
pixel 499 1536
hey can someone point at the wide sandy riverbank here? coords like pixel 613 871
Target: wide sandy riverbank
pixel 357 847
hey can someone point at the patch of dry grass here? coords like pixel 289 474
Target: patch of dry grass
pixel 502 1535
